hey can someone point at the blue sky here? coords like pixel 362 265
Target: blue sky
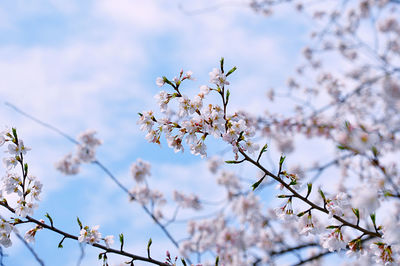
pixel 93 64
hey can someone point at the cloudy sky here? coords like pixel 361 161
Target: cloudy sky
pixel 92 65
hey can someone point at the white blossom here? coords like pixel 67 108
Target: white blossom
pixel 189 75
pixel 88 138
pixel 337 205
pixel 140 169
pixel 162 98
pixel 333 241
pixel 12 183
pixel 175 142
pixel 391 232
pixel 381 253
pixel 10 162
pixel 146 121
pixel 85 153
pixel 214 163
pixel 68 165
pixel 5 240
pixel 30 234
pixel 90 235
pixel 199 148
pixel 204 89
pixel 24 208
pixel 5 226
pixel 218 78
pixel 187 201
pixel 109 240
pixel 36 190
pixel 308 226
pixel 186 107
pixel 160 82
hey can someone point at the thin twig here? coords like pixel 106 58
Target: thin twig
pixel 39 260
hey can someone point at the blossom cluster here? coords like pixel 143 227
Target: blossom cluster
pixel 87 144
pixel 141 192
pixel 92 236
pixel 26 187
pixel 194 120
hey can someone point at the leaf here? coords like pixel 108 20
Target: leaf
pixel 233 162
pixel 14 131
pixel 375 151
pixel 60 244
pixel 26 168
pixel 356 213
pixel 183 262
pixel 222 64
pixel 263 149
pixel 50 219
pixel 79 222
pixel 347 124
pixel 282 159
pixel 233 69
pixel 228 93
pixel 309 188
pixel 121 240
pixel 373 219
pixel 322 195
pixel 332 227
pixel 148 247
pixel 168 81
pixel 256 184
pixel 301 214
pixel 217 261
pixel 388 194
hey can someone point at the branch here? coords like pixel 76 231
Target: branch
pixel 313 205
pixel 315 257
pixel 283 251
pixel 99 246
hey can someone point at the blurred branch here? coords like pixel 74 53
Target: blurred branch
pixel 39 260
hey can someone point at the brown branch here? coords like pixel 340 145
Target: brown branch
pixel 97 245
pixel 312 204
pixel 283 251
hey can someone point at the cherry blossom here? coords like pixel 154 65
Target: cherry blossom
pixel 333 241
pixel 90 235
pixel 140 169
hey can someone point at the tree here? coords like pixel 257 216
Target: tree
pixel 346 96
